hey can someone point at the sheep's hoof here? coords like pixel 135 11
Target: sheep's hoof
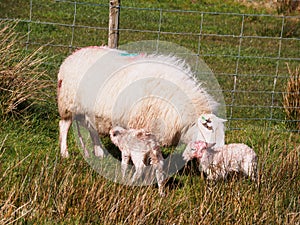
pixel 98 151
pixel 64 155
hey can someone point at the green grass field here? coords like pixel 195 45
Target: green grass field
pixel 38 187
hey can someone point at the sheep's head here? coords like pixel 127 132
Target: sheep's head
pixel 195 150
pixel 116 134
pixel 211 129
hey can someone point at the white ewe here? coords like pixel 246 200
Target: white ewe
pixel 142 149
pixel 109 87
pixel 218 162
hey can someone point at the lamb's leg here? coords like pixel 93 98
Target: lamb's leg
pixel 251 170
pixel 160 177
pixel 139 167
pixel 64 125
pixel 124 164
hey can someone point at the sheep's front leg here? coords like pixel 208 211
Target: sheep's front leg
pixel 98 151
pixel 85 151
pixel 64 126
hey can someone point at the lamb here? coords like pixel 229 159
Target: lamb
pixel 218 162
pixel 109 87
pixel 141 147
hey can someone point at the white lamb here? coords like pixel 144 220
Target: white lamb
pixel 143 149
pixel 219 161
pixel 109 87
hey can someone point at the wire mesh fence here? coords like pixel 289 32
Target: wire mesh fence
pixel 248 53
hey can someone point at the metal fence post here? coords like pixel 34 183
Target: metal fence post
pixel 113 30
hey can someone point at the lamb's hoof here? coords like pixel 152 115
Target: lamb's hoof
pixel 162 194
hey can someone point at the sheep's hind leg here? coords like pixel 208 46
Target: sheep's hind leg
pixel 64 125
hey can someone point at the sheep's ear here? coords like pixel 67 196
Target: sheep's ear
pixel 222 120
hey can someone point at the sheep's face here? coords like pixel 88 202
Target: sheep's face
pixel 211 129
pixel 116 134
pixel 206 122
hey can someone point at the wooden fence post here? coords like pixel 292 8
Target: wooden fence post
pixel 113 29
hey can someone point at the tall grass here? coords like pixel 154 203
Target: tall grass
pixel 23 82
pixel 44 189
pixel 291 98
pixel 288 6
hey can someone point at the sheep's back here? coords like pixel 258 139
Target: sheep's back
pixel 157 93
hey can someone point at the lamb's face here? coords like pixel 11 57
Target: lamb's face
pixel 194 150
pixel 116 134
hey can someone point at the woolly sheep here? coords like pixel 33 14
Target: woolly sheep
pixel 142 149
pixel 219 161
pixel 109 87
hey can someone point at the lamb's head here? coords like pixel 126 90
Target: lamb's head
pixel 116 134
pixel 195 150
pixel 211 129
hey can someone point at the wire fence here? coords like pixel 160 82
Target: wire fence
pixel 248 53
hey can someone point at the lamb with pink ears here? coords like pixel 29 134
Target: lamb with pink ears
pixel 143 149
pixel 218 162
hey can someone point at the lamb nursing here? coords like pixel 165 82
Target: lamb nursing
pixel 142 149
pixel 218 162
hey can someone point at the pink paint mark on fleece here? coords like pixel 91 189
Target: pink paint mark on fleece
pixel 59 83
pixel 98 47
pixel 91 47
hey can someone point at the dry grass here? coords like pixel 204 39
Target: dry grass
pixel 47 190
pixel 291 97
pixel 23 83
pixel 288 6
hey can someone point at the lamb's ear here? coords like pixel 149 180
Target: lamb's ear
pixel 116 133
pixel 209 145
pixel 140 134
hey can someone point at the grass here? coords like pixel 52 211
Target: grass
pixel 39 187
pixel 292 97
pixel 23 82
